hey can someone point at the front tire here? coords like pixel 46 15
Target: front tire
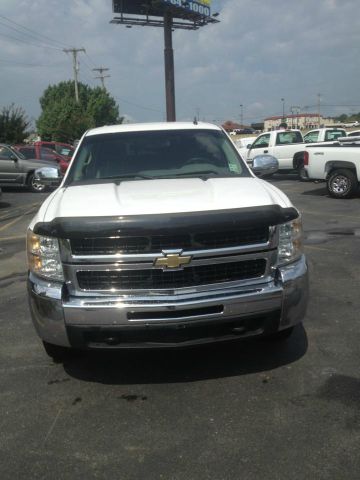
pixel 342 183
pixel 57 353
pixel 34 185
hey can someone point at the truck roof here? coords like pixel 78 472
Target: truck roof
pixel 148 127
pixel 284 130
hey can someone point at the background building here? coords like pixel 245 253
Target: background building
pixel 303 121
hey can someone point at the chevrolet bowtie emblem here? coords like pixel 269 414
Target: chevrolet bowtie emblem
pixel 172 261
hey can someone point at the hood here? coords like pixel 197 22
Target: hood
pixel 144 197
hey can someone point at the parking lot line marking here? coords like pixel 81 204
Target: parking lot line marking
pixel 52 426
pixel 14 237
pixel 311 247
pixel 7 225
pixel 333 214
pixel 17 210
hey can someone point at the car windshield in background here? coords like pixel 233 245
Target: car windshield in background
pixel 17 153
pixel 27 152
pixel 156 154
pixel 334 134
pixel 66 151
pixel 287 138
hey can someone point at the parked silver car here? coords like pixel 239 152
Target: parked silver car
pixel 17 170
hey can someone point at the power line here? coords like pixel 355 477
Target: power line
pixel 91 60
pixel 139 106
pixel 86 65
pixel 87 77
pixel 32 31
pixel 29 43
pixel 25 34
pixel 12 63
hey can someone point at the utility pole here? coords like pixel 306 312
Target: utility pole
pixel 241 115
pixel 319 108
pixel 169 68
pixel 283 109
pixel 295 111
pixel 74 52
pixel 102 77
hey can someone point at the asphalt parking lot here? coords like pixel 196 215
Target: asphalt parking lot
pixel 249 410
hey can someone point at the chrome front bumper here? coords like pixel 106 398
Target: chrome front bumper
pixel 61 319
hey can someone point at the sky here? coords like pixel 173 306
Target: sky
pixel 260 52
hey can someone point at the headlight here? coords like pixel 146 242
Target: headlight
pixel 290 241
pixel 44 256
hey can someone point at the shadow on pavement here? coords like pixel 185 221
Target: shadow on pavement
pixel 317 192
pixel 281 177
pixel 4 205
pixel 14 188
pixel 187 365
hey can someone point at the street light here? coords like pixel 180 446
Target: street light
pixel 283 108
pixel 241 116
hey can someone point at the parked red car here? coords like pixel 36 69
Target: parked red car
pixel 64 149
pixel 40 152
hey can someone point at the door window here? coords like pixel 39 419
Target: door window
pixel 312 137
pixel 288 138
pixel 47 154
pixel 334 134
pixel 51 146
pixel 6 153
pixel 262 141
pixel 28 152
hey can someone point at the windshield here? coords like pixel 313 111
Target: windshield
pixel 288 137
pixel 63 150
pixel 18 154
pixel 156 154
pixel 334 134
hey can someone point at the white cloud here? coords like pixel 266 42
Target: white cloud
pixel 259 53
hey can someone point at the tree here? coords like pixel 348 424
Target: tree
pixel 13 124
pixel 344 118
pixel 63 119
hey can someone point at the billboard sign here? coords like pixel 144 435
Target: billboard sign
pixel 185 9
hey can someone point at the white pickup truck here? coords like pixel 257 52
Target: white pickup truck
pixel 161 236
pixel 288 146
pixel 338 165
pixel 282 144
pixel 324 135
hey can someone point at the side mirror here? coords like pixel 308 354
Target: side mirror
pixel 13 157
pixel 264 165
pixel 48 176
pixel 249 145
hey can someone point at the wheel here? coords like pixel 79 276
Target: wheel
pixel 280 336
pixel 57 353
pixel 342 183
pixel 34 185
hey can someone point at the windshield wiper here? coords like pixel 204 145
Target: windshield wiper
pixel 133 176
pixel 201 174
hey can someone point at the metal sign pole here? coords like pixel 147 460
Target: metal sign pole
pixel 169 15
pixel 169 69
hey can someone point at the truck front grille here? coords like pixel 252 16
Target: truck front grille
pixel 158 279
pixel 157 243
